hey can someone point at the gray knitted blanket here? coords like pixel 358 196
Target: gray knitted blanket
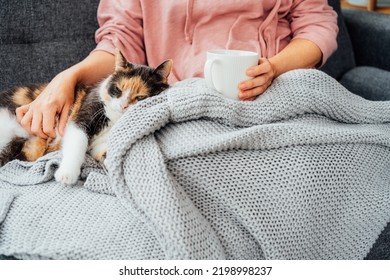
pixel 300 173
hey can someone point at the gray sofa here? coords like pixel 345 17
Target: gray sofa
pixel 361 62
pixel 39 38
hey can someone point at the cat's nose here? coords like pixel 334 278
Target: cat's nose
pixel 124 106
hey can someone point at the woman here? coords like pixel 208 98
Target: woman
pixel 288 34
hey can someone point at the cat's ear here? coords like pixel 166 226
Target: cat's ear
pixel 120 62
pixel 164 69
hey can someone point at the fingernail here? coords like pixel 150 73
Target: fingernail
pixel 242 85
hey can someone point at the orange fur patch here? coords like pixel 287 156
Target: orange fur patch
pixel 21 96
pixel 53 148
pixel 81 93
pixel 38 91
pixel 136 86
pixel 101 155
pixel 25 95
pixel 34 148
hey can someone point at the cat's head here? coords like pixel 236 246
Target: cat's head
pixel 131 83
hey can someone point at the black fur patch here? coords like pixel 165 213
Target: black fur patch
pixel 12 151
pixel 6 100
pixel 92 115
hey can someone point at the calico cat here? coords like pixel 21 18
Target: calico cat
pixel 94 112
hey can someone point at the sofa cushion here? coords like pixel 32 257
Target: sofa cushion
pixel 369 82
pixel 39 38
pixel 342 59
pixel 370 36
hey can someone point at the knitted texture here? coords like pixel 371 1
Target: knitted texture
pixel 300 173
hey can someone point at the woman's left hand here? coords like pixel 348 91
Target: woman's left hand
pixel 263 74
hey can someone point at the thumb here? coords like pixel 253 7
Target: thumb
pixel 270 66
pixel 263 60
pixel 64 116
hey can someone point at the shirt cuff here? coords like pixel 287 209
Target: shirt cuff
pixel 105 45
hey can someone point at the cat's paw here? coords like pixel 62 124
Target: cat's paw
pixel 66 176
pixel 100 156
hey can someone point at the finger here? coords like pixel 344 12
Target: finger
pixel 263 67
pixel 21 111
pixel 26 120
pixel 253 83
pixel 63 119
pixel 252 93
pixel 250 99
pixel 48 123
pixel 36 126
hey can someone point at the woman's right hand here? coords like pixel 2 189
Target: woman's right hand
pixel 39 117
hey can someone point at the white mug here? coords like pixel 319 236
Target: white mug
pixel 225 69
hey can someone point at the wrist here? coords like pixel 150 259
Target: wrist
pixel 92 69
pixel 76 73
pixel 275 67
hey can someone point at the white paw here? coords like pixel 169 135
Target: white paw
pixel 67 176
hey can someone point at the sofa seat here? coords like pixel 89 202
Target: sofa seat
pixel 372 83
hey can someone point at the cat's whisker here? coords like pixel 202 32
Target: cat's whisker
pixel 97 114
pixel 101 114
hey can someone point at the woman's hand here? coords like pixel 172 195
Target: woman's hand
pixel 39 117
pixel 263 74
pixel 298 54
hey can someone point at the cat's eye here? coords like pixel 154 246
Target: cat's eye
pixel 141 97
pixel 118 90
pixel 115 91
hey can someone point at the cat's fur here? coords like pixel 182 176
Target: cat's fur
pixel 95 111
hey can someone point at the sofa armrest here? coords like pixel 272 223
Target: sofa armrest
pixel 370 36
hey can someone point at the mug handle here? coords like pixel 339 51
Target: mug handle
pixel 208 67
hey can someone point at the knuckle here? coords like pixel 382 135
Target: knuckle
pixel 252 92
pixel 247 93
pixel 264 88
pixel 20 111
pixel 42 135
pixel 256 70
pixel 47 131
pixel 249 84
pixel 34 130
pixel 24 122
pixel 259 80
pixel 259 90
pixel 52 102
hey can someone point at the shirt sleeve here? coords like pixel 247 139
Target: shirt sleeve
pixel 120 26
pixel 316 21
